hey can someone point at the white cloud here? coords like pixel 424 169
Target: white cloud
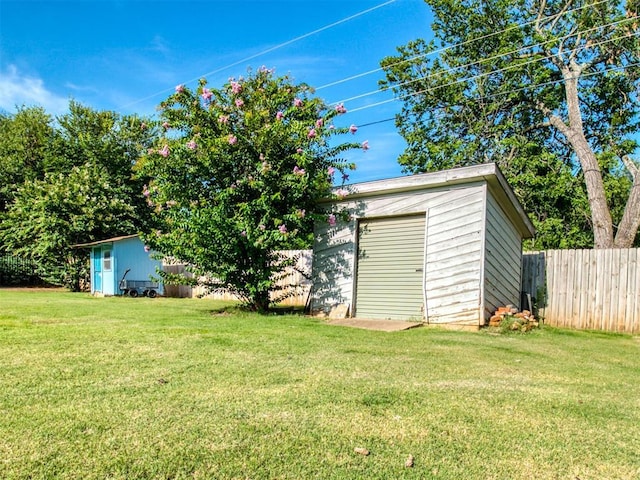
pixel 17 90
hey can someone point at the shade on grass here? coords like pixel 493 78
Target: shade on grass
pixel 174 388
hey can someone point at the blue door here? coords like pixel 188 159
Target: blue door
pixel 97 269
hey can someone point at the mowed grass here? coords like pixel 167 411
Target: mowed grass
pixel 121 388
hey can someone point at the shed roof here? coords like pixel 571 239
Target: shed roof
pixel 488 172
pixel 108 240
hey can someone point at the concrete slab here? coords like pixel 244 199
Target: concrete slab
pixel 370 324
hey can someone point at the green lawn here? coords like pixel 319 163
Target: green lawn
pixel 121 388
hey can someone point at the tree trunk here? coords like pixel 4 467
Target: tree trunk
pixel 574 132
pixel 261 301
pixel 628 228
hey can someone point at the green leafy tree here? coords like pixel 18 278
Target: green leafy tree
pixel 49 216
pixel 25 143
pixel 81 188
pixel 237 177
pixel 548 89
pixel 107 140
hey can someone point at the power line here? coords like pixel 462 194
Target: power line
pixel 479 62
pixel 497 95
pixel 268 50
pixel 463 80
pixel 443 49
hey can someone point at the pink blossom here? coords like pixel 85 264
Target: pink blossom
pixel 301 213
pixel 297 102
pixel 319 123
pixel 143 126
pixel 341 193
pixel 279 116
pixel 179 88
pixel 331 171
pixel 298 171
pixel 223 118
pixel 282 228
pixel 299 150
pixel 146 248
pixel 312 133
pixel 262 227
pixel 236 87
pixel 239 102
pixel 206 93
pixel 243 233
pixel 340 108
pixel 232 139
pixel 150 151
pixel 165 151
pixel 332 220
pixel 192 145
pixel 353 129
pixel 145 191
pixel 365 145
pixel 165 125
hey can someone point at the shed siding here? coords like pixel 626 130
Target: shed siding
pixel 333 266
pixel 453 259
pixel 130 254
pixel 453 238
pixel 109 273
pixel 126 253
pixel 503 257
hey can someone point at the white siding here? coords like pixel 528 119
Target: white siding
pixel 453 259
pixel 503 257
pixel 333 266
pixel 453 249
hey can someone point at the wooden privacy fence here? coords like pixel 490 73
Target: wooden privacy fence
pixel 585 289
pixel 296 282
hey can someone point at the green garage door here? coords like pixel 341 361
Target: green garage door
pixel 390 271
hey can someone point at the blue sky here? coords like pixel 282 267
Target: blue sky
pixel 128 55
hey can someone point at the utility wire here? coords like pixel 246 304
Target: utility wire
pixel 464 80
pixel 502 94
pixel 479 62
pixel 268 50
pixel 444 49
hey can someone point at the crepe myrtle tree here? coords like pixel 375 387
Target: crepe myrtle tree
pixel 237 176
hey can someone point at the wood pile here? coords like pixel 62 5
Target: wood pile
pixel 511 318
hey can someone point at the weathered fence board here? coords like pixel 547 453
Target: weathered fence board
pixel 296 282
pixel 585 289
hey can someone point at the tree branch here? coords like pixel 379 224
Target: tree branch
pixel 628 228
pixel 631 167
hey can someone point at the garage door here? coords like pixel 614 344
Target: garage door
pixel 390 271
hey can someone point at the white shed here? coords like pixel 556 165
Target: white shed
pixel 442 248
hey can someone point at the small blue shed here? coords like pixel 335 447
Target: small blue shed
pixel 119 258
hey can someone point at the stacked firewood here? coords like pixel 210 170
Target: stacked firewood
pixel 513 319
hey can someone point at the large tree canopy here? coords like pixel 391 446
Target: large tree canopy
pixel 69 183
pixel 237 177
pixel 25 145
pixel 548 89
